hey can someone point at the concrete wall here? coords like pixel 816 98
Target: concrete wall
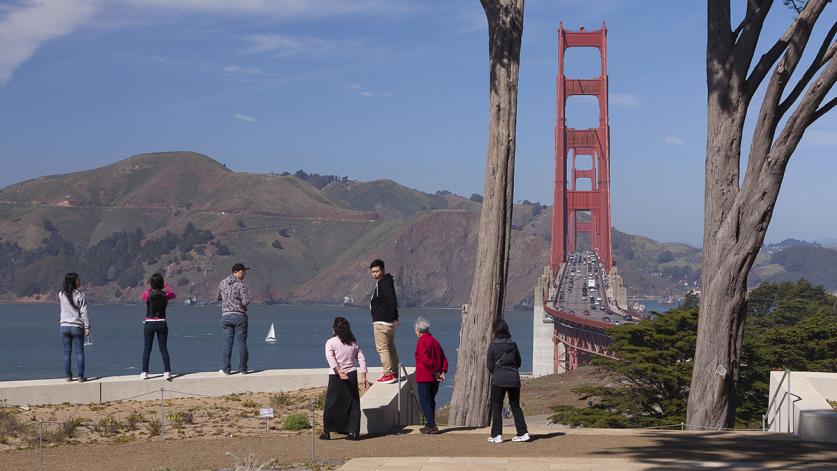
pixel 543 349
pixel 381 410
pixel 808 416
pixel 115 388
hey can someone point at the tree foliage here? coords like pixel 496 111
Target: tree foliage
pixel 789 326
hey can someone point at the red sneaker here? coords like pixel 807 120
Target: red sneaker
pixel 387 379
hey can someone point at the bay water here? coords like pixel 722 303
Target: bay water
pixel 32 349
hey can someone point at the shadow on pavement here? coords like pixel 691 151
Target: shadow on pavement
pixel 544 436
pixel 728 451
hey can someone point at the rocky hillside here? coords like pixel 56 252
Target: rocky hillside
pixel 190 218
pixel 309 238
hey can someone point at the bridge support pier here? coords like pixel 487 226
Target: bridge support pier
pixel 543 350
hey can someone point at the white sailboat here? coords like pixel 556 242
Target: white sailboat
pixel 271 335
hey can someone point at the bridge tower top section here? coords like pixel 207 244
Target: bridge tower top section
pixel 582 212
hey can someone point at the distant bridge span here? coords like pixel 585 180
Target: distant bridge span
pixel 580 295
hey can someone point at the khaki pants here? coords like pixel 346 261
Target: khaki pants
pixel 385 345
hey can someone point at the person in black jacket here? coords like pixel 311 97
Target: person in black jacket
pixel 503 361
pixel 384 309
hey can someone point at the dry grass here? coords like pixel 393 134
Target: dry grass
pixel 236 415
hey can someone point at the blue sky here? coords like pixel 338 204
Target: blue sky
pixel 378 89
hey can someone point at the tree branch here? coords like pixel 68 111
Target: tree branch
pixel 747 40
pixel 805 114
pixel 806 19
pixel 824 55
pixel 769 117
pixel 824 109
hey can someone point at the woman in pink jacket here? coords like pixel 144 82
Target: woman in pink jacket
pixel 342 404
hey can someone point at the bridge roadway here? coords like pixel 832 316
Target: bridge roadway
pixel 573 295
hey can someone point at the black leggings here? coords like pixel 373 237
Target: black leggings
pixel 161 328
pixel 497 395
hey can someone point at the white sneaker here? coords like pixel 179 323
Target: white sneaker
pixel 521 438
pixel 167 376
pixel 223 372
pixel 497 439
pixel 143 375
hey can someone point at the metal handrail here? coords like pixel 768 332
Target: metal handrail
pixel 766 425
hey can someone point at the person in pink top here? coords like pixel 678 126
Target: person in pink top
pixel 342 404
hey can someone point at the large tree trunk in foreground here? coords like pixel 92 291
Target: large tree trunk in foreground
pixel 469 405
pixel 736 216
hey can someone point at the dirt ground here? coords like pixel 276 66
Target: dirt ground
pixel 232 416
pixel 539 395
pixel 216 453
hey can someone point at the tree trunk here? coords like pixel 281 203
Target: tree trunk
pixel 736 216
pixel 470 402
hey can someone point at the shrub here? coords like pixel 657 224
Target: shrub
pixel 179 418
pixel 296 422
pixel 320 402
pixel 109 426
pixel 69 427
pixel 280 399
pixel 249 403
pixel 133 420
pixel 154 427
pixel 10 425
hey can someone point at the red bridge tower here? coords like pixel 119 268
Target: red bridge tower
pixel 571 143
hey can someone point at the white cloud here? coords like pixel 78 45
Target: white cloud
pixel 624 99
pixel 284 46
pixel 244 117
pixel 235 69
pixel 282 9
pixel 26 28
pixel 816 137
pixel 674 141
pixel 367 93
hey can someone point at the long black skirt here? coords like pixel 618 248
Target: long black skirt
pixel 342 405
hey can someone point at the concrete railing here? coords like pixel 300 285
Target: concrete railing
pixel 801 406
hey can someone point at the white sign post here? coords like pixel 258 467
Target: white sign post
pixel 266 413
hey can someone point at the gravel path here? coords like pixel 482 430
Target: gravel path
pixel 211 453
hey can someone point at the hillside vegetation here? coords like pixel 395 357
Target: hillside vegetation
pixel 309 237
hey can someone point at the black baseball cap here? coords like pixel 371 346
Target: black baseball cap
pixel 239 267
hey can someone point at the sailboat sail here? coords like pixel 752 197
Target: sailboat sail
pixel 271 334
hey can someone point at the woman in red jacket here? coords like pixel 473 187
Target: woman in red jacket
pixel 431 366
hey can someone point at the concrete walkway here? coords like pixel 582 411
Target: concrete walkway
pixel 538 464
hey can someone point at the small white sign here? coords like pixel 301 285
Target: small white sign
pixel 266 413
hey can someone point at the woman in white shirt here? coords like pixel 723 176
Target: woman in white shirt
pixel 342 404
pixel 74 324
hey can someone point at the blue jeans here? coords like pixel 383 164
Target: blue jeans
pixel 235 331
pixel 161 329
pixel 427 400
pixel 69 336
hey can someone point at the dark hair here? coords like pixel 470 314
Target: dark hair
pixel 343 331
pixel 501 329
pixel 377 263
pixel 156 281
pixel 70 285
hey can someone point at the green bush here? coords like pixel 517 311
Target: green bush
pixel 296 422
